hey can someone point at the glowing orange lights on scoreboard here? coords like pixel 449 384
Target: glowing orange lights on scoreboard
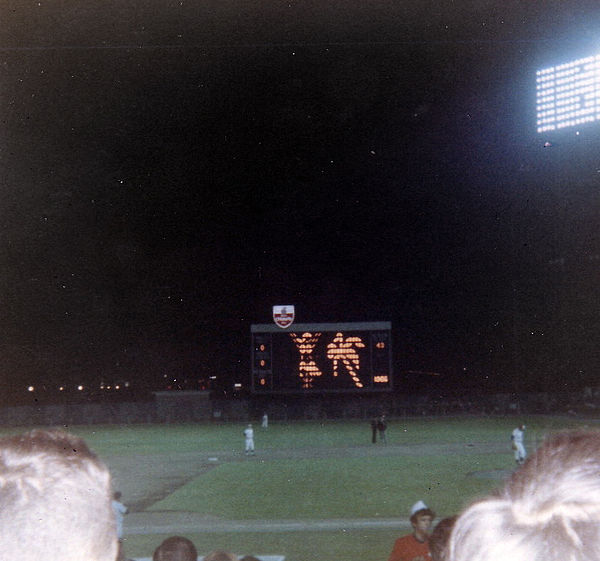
pixel 307 368
pixel 322 357
pixel 341 351
pixel 262 359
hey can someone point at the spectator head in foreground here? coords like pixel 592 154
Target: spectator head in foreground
pixel 548 510
pixel 421 517
pixel 56 500
pixel 415 546
pixel 175 548
pixel 438 540
pixel 220 555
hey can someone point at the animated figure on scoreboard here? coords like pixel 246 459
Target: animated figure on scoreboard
pixel 307 369
pixel 343 350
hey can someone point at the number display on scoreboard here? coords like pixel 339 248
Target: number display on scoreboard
pixel 322 357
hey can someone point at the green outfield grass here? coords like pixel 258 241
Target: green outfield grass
pixel 334 485
pixel 333 488
pixel 355 545
pixel 168 439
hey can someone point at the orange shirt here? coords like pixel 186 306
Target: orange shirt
pixel 408 547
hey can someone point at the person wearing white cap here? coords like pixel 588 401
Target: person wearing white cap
pixel 415 546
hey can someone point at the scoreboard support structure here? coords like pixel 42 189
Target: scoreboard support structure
pixel 311 358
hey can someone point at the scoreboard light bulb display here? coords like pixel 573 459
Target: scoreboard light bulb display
pixel 324 357
pixel 568 95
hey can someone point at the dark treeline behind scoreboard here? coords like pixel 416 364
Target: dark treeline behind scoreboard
pixel 322 357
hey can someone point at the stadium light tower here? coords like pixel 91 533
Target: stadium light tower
pixel 568 95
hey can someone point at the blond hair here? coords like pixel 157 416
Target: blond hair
pixel 549 510
pixel 55 497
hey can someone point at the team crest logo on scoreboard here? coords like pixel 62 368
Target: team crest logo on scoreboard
pixel 283 316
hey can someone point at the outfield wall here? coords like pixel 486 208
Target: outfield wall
pixel 185 407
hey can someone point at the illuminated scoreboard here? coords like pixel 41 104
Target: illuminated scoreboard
pixel 568 95
pixel 322 357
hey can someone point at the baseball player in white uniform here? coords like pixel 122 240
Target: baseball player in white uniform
pixel 249 436
pixel 517 444
pixel 119 509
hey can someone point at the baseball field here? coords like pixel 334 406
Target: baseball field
pixel 313 490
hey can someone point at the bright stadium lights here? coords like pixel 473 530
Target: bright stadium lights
pixel 568 95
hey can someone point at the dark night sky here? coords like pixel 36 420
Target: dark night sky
pixel 171 170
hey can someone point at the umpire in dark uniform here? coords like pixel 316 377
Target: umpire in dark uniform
pixel 382 427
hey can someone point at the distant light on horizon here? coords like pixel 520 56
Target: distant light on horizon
pixel 568 94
